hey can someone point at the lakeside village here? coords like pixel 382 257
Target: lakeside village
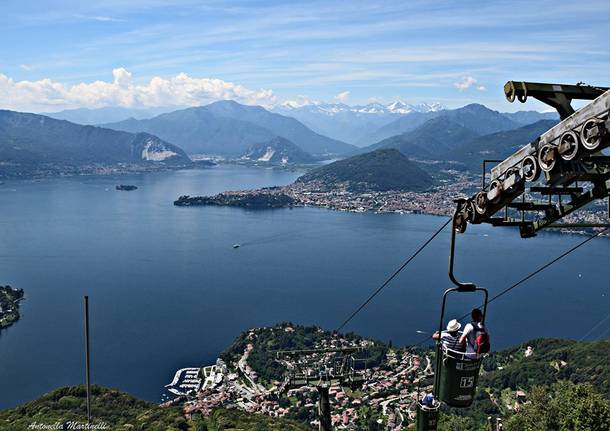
pixel 387 395
pixel 438 201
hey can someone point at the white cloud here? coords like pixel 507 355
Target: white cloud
pixel 468 82
pixel 343 97
pixel 183 90
pixel 26 67
pixel 465 83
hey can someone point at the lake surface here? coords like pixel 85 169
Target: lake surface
pixel 168 290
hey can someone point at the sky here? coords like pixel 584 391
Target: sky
pixel 57 55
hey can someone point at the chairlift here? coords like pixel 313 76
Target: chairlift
pixel 457 373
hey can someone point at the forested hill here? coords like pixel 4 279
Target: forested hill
pixel 65 409
pixel 551 360
pixel 380 170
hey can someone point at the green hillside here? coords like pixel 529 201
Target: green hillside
pixel 553 360
pixel 432 140
pixel 118 410
pixel 65 408
pixel 381 170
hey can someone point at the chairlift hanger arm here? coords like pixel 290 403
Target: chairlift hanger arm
pixel 558 96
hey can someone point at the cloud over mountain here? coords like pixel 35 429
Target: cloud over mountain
pixel 180 90
pixel 467 82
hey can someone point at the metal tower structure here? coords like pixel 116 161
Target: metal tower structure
pixel 322 368
pixel 556 174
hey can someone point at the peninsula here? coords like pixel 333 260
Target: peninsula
pixel 381 181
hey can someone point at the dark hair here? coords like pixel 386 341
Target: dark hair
pixel 477 315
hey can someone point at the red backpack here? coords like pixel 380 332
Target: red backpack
pixel 482 344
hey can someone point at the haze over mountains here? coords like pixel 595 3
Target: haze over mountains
pixel 229 128
pixel 350 123
pixel 110 114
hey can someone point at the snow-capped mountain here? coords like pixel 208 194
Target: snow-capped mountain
pixel 350 123
pixel 397 107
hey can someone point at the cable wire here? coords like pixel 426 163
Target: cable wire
pixel 597 325
pixel 403 266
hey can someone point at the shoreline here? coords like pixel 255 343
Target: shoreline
pixel 434 203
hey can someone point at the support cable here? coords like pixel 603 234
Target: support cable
pixel 403 266
pixel 597 325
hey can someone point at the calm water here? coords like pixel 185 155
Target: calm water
pixel 167 289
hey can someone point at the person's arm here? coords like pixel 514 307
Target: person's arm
pixel 436 335
pixel 467 329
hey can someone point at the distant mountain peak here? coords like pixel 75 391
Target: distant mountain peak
pixel 396 107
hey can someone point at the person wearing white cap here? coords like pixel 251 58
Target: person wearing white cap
pixel 450 338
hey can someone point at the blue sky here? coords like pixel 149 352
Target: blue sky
pixel 62 54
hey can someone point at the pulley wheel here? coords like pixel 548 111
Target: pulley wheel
pixel 463 216
pixel 509 173
pixel 547 157
pixel 568 145
pixel 530 169
pixel 480 202
pixel 495 189
pixel 590 134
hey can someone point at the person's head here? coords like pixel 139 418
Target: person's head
pixel 453 326
pixel 477 315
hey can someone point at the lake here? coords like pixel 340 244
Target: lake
pixel 168 290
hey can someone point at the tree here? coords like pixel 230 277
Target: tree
pixel 454 423
pixel 567 407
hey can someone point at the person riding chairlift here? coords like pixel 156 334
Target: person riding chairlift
pixel 475 336
pixel 450 339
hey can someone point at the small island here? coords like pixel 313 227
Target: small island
pixel 126 187
pixel 9 305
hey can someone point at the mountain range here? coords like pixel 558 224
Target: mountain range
pixel 496 145
pixel 468 135
pixel 369 124
pixel 350 123
pixel 32 139
pixel 229 128
pixel 361 125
